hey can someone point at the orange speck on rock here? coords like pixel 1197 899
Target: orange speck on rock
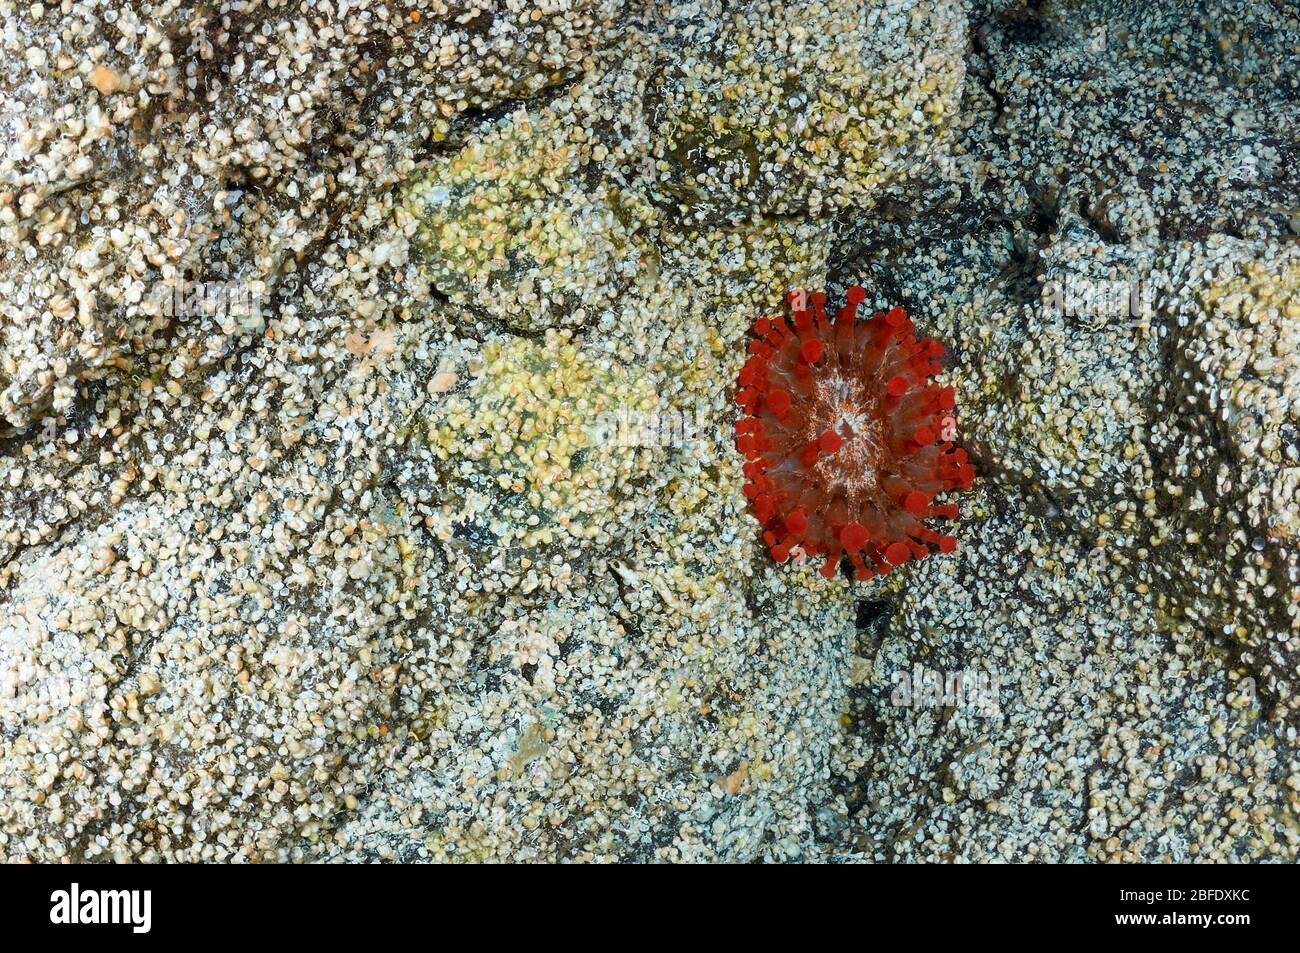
pixel 732 782
pixel 105 80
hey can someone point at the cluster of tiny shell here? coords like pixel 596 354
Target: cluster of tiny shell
pixel 142 139
pixel 1128 384
pixel 1118 734
pixel 442 553
pixel 250 609
pixel 1229 458
pixel 541 427
pixel 524 223
pixel 776 107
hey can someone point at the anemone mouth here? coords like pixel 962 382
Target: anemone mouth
pixel 846 408
pixel 846 438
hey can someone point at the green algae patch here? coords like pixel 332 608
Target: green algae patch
pixel 512 226
pixel 548 431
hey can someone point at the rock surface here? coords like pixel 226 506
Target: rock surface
pixel 429 543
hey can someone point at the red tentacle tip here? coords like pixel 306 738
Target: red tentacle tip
pixel 916 502
pixel 897 553
pixel 854 536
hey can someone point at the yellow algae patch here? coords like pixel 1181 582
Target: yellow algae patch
pixel 1249 349
pixel 512 226
pixel 552 432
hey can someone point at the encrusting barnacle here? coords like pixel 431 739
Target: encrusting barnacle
pixel 846 439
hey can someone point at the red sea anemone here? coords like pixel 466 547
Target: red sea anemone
pixel 847 441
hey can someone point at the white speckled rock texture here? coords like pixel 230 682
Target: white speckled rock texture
pixel 442 554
